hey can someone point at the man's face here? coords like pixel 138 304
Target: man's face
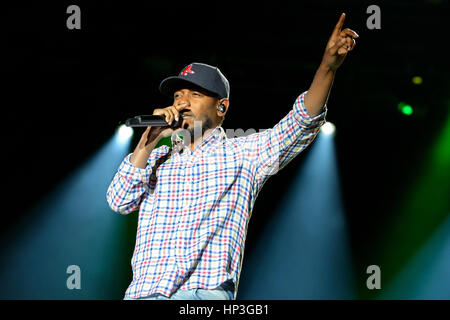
pixel 196 104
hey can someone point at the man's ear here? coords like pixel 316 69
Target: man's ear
pixel 222 107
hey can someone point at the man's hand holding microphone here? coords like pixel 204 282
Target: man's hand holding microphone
pixel 152 135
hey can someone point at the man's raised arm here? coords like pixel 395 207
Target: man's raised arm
pixel 339 44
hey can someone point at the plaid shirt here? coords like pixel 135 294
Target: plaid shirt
pixel 194 207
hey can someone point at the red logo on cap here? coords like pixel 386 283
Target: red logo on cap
pixel 187 70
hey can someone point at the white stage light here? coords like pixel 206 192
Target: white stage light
pixel 124 133
pixel 328 128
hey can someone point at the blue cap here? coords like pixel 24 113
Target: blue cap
pixel 202 75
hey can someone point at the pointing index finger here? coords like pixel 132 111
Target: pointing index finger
pixel 338 27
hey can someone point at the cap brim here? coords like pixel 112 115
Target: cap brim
pixel 169 85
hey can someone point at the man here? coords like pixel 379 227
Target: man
pixel 196 198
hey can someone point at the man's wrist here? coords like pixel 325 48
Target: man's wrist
pixel 140 155
pixel 327 69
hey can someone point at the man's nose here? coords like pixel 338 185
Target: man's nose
pixel 182 104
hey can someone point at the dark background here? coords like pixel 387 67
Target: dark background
pixel 65 91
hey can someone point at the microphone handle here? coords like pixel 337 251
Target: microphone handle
pixel 151 120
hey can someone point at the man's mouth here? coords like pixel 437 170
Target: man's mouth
pixel 186 118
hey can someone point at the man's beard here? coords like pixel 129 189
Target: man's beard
pixel 196 132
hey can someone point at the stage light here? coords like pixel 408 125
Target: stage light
pixel 328 129
pixel 304 251
pixel 421 214
pixel 124 133
pixel 405 108
pixel 417 80
pixel 425 273
pixel 72 225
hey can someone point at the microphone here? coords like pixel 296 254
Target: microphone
pixel 152 120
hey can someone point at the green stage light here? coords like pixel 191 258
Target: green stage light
pixel 167 141
pixel 420 211
pixel 417 80
pixel 405 108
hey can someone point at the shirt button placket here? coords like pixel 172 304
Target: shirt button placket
pixel 174 248
pixel 187 169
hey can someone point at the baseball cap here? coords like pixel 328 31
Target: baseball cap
pixel 203 75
